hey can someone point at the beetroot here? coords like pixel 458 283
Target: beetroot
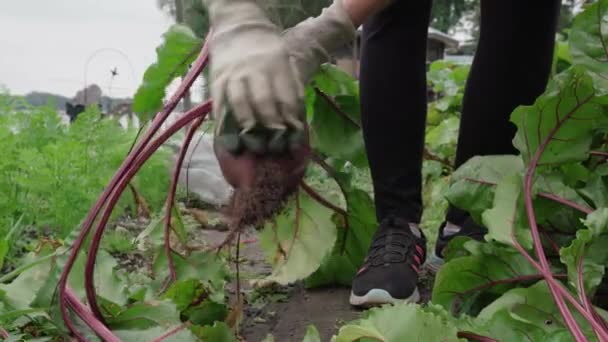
pixel 262 183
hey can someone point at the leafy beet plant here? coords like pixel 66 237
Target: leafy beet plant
pixel 539 276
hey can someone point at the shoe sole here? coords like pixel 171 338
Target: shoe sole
pixel 377 297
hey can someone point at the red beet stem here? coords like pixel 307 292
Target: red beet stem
pixel 171 197
pixel 198 112
pixel 83 312
pixel 192 75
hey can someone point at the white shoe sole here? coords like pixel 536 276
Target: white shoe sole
pixel 377 297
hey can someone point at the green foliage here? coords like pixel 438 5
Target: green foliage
pixel 413 324
pixel 180 47
pixel 300 239
pixel 341 95
pixel 588 38
pixel 117 242
pixel 563 118
pixel 588 252
pixel 485 288
pixel 133 310
pixel 488 288
pixel 469 283
pixel 447 13
pixel 52 173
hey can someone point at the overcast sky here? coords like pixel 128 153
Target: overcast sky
pixel 45 44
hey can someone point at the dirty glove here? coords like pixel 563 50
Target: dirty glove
pixel 310 42
pixel 250 69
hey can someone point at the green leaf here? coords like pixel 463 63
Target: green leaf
pixel 179 48
pixel 298 241
pixel 336 135
pixel 441 140
pixel 503 327
pixel 589 246
pixel 352 244
pixel 527 312
pixel 312 334
pixel 23 290
pixel 560 122
pixel 467 284
pixel 219 332
pixel 474 183
pixel 588 42
pixel 183 335
pixel 204 267
pixel 332 133
pixel 333 81
pixel 596 191
pixel 182 293
pixel 207 313
pixel 107 283
pixel 508 216
pixel 147 315
pixel 3 251
pixel 413 324
pixel 178 225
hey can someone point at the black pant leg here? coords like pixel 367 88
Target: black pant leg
pixel 511 68
pixel 393 105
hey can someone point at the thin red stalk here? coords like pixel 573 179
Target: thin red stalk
pixel 296 225
pixel 332 173
pixel 171 197
pixel 475 337
pixel 324 202
pixel 551 242
pixel 566 202
pixel 558 286
pixel 199 111
pixel 4 334
pixel 507 281
pixel 197 68
pixel 599 154
pixel 337 108
pixel 173 331
pixel 540 253
pixel 552 197
pixel 582 293
pixel 99 328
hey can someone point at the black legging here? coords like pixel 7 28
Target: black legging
pixel 510 68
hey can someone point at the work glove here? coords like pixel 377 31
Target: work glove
pixel 252 77
pixel 264 93
pixel 311 42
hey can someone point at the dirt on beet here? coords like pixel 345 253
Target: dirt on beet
pixel 265 198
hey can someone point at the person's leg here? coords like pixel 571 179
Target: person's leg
pixel 393 107
pixel 511 68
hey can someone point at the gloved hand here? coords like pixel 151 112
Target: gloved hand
pixel 250 69
pixel 310 43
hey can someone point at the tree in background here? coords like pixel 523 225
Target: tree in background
pixel 191 13
pixel 447 14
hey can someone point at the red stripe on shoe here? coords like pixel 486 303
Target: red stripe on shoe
pixel 415 268
pixel 417 259
pixel 361 270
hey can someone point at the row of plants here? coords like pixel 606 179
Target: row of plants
pixel 535 278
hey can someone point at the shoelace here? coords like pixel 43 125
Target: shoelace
pixel 392 246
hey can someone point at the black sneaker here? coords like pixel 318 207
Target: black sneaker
pixel 447 232
pixel 390 271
